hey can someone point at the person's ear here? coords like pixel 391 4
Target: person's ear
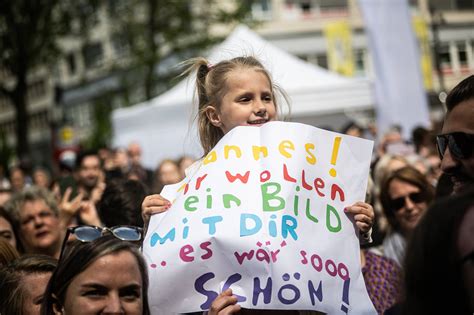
pixel 213 116
pixel 58 309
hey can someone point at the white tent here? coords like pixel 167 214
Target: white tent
pixel 163 125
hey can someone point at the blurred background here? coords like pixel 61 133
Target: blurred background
pixel 66 65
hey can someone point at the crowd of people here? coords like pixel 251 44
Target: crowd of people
pixel 416 225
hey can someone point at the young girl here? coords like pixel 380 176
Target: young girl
pixel 231 93
pixel 238 92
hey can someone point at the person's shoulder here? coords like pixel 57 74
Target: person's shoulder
pixel 376 257
pixel 376 250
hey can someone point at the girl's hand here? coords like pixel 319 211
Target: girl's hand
pixel 225 303
pixel 153 204
pixel 363 215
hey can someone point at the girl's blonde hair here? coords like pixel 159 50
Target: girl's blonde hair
pixel 211 88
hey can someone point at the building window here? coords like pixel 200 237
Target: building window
pixel 322 60
pixel 4 72
pixel 81 115
pixel 39 120
pixel 11 127
pixel 462 54
pixel 120 45
pixel 8 127
pixel 116 7
pixel 359 62
pixel 332 4
pixel 71 63
pixel 5 102
pixel 465 4
pixel 305 6
pixel 443 4
pixel 262 9
pixel 304 57
pixel 88 12
pixel 453 4
pixel 37 89
pixel 92 54
pixel 444 56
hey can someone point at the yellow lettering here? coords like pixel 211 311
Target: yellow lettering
pixel 210 157
pixel 259 149
pixel 182 187
pixel 284 145
pixel 310 157
pixel 236 149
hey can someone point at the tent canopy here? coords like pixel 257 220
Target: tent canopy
pixel 164 125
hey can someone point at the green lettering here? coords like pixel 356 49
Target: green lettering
pixel 189 202
pixel 228 198
pixel 269 197
pixel 308 212
pixel 330 209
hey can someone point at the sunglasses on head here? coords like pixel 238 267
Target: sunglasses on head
pixel 89 233
pixel 460 144
pixel 398 203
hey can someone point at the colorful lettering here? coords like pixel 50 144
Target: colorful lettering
pixel 310 158
pixel 270 200
pixel 331 210
pixel 284 146
pixel 232 178
pixel 236 149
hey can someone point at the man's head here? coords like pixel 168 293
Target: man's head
pixel 135 153
pixel 17 178
pixel 88 169
pixel 23 283
pixel 456 142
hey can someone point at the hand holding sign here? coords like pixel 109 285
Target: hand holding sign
pixel 153 204
pixel 363 215
pixel 225 303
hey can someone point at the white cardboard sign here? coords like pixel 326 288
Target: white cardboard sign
pixel 263 214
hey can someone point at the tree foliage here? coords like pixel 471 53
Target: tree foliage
pixel 152 30
pixel 101 126
pixel 29 33
pixel 156 35
pixel 160 30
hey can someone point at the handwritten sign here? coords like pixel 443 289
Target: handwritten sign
pixel 263 214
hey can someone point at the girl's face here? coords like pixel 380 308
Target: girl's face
pixel 412 209
pixel 248 101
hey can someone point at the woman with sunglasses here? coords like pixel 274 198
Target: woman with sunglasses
pixel 405 195
pixel 99 273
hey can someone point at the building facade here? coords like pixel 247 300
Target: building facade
pixel 93 70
